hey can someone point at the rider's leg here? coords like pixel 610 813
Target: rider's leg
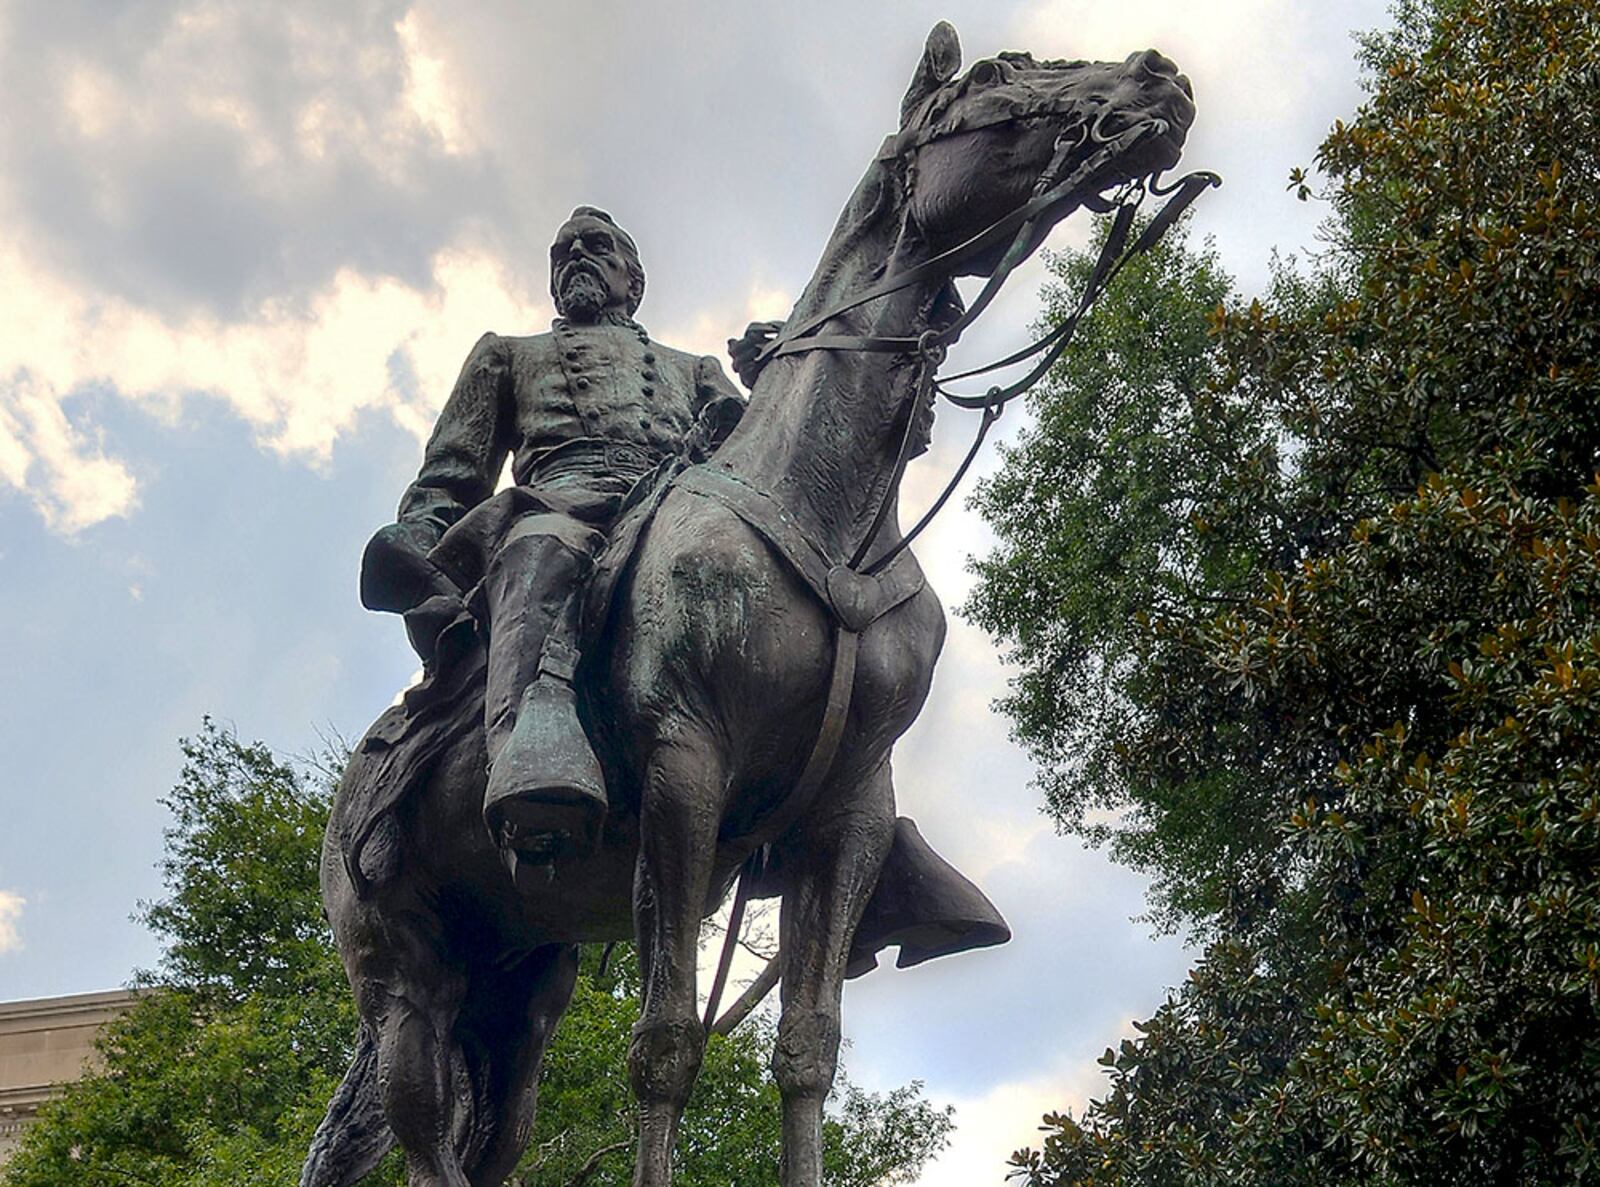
pixel 536 567
pixel 682 803
pixel 512 1014
pixel 831 869
pixel 546 790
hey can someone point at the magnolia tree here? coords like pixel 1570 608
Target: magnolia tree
pixel 1304 590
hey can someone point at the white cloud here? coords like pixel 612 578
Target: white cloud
pixel 430 94
pixel 11 904
pixel 61 467
pixel 298 372
pixel 194 68
pixel 91 100
pixel 1005 1118
pixel 1246 50
pixel 707 330
pixel 295 345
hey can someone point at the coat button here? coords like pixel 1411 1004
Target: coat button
pixel 647 390
pixel 583 384
pixel 649 356
pixel 572 352
pixel 651 375
pixel 644 422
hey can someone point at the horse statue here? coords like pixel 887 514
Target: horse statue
pixel 760 639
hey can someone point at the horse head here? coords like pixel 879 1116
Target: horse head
pixel 972 149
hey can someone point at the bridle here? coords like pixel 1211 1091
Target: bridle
pixel 1021 231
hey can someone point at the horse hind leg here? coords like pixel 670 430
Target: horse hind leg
pixel 511 1015
pixel 408 994
pixel 679 813
pixel 832 867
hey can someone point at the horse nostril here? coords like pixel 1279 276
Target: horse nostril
pixel 1155 62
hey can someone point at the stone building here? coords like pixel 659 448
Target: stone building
pixel 43 1044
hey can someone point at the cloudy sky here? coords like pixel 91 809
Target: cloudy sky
pixel 246 247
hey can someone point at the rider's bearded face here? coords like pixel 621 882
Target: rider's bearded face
pixel 589 270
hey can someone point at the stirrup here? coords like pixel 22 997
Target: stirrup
pixel 546 796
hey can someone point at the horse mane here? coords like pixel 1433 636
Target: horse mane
pixel 878 195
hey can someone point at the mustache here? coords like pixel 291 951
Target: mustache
pixel 578 268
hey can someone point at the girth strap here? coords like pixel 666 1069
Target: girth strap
pixel 819 762
pixel 846 646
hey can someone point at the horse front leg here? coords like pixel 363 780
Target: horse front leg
pixel 680 811
pixel 834 862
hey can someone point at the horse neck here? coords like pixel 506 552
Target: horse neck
pixel 824 426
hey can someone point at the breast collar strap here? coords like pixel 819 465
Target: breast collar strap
pixel 855 600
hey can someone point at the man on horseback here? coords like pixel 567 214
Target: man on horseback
pixel 584 412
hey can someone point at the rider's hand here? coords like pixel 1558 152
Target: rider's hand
pixel 716 420
pixel 744 351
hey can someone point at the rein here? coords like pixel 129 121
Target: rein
pixel 1053 345
pixel 1026 228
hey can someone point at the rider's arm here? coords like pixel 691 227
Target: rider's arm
pixel 459 469
pixel 718 403
pixel 745 352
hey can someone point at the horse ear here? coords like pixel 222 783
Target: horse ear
pixel 941 58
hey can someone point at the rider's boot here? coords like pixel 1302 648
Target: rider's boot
pixel 546 793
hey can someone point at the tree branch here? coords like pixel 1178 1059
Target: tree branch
pixel 587 1170
pixel 750 998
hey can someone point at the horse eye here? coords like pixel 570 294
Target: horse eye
pixel 986 74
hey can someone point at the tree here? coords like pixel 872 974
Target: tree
pixel 220 1073
pixel 1147 492
pixel 1361 760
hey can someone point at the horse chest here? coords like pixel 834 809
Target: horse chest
pixel 895 668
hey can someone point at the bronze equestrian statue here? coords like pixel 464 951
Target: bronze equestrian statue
pixel 751 639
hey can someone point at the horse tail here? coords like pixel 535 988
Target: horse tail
pixel 355 1135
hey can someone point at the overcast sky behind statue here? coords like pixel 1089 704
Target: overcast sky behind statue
pixel 246 248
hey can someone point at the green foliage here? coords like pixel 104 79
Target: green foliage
pixel 1148 492
pixel 243 915
pixel 1361 758
pixel 1441 1020
pixel 219 1075
pixel 732 1128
